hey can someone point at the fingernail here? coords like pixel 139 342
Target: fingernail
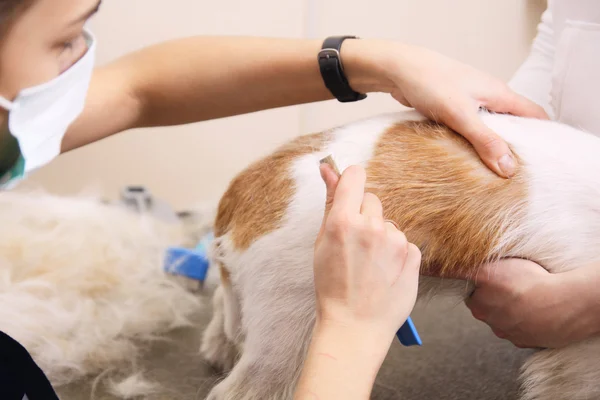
pixel 507 165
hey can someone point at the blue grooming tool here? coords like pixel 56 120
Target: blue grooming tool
pixel 191 263
pixel 408 335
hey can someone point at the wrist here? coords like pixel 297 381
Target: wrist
pixel 351 351
pixel 577 290
pixel 366 64
pixel 368 342
pixel 341 363
pixel 585 282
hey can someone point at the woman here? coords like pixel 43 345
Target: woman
pixel 46 66
pixel 519 299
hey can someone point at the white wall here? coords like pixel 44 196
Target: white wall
pixel 194 163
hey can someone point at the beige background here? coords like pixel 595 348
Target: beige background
pixel 194 163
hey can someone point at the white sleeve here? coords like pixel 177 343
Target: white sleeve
pixel 533 79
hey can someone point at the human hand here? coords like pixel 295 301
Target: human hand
pixel 446 91
pixel 366 272
pixel 527 305
pixel 366 278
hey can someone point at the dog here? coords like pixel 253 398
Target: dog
pixel 435 187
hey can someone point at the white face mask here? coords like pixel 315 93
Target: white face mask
pixel 39 116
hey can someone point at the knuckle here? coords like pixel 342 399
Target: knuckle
pixel 376 226
pixel 328 203
pixel 415 251
pixel 371 196
pixel 373 231
pixel 356 171
pixel 337 225
pixel 478 313
pixel 490 142
pixel 366 239
pixel 519 294
pixel 372 199
pixel 499 333
pixel 401 240
pixel 413 248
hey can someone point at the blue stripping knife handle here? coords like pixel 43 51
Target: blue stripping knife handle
pixel 191 263
pixel 408 335
pixel 186 262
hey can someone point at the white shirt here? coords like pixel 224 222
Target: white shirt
pixel 562 73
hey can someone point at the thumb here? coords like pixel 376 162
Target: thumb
pixel 492 149
pixel 331 181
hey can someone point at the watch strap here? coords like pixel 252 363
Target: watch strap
pixel 332 70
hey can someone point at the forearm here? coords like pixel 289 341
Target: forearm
pixel 341 364
pixel 204 78
pixel 579 287
pixel 111 106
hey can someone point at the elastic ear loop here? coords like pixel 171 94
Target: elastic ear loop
pixel 7 105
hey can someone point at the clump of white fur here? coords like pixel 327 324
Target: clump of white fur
pixel 81 283
pixel 133 386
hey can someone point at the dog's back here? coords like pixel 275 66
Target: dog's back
pixel 430 181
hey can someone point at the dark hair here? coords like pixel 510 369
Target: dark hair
pixel 9 9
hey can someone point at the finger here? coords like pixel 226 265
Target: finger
pixel 499 333
pixel 489 306
pixel 515 104
pixel 515 340
pixel 371 206
pixel 476 310
pixel 521 345
pixel 391 226
pixel 348 196
pixel 331 181
pixel 413 259
pixel 407 268
pixel 492 149
pixel 399 97
pixel 478 306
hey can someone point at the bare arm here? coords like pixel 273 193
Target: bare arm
pixel 341 364
pixel 201 78
pixel 366 280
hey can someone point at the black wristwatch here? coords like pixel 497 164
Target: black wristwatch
pixel 332 70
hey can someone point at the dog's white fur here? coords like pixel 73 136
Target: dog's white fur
pixel 268 314
pixel 81 283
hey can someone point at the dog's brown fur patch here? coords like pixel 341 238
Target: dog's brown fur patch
pixel 434 186
pixel 256 200
pixel 431 183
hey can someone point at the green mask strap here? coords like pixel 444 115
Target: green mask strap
pixel 16 172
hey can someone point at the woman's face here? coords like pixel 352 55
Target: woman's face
pixel 44 40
